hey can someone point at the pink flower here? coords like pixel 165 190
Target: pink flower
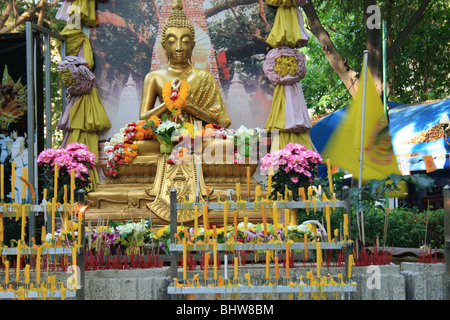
pixel 294 179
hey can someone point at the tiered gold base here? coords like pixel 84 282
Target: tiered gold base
pixel 141 189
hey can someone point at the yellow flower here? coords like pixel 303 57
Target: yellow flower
pixel 162 232
pixel 156 121
pixel 190 128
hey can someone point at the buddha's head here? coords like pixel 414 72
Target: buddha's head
pixel 178 35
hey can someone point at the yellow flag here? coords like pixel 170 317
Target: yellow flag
pixel 343 147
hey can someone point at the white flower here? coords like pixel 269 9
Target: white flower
pixel 48 238
pixel 249 225
pixel 165 126
pixel 132 226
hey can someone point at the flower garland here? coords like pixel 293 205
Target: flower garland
pixel 175 93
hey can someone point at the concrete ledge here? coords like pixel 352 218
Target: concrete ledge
pixel 408 281
pixel 424 281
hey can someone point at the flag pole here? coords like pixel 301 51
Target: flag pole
pixel 363 116
pixel 383 31
pixel 361 151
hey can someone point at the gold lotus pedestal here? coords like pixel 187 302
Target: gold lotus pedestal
pixel 141 189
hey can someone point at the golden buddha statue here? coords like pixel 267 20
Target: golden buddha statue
pixel 142 188
pixel 204 101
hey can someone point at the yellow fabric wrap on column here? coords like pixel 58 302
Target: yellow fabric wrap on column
pixel 276 121
pixel 303 138
pixel 282 3
pixel 87 11
pixel 74 40
pixel 276 115
pixel 87 115
pixel 286 29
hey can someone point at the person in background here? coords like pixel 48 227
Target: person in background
pixel 19 154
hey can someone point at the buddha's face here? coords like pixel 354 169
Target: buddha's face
pixel 178 44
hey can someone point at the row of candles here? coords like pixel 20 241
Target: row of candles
pixel 186 241
pixel 21 211
pixel 276 219
pixel 25 185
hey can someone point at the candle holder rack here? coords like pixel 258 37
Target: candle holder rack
pixel 51 289
pixel 322 285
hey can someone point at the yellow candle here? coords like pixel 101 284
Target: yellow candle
pixel 196 222
pixel 275 218
pixel 184 258
pixel 24 221
pixel 345 226
pixel 269 186
pixel 55 184
pixel 19 247
pixel 264 220
pixel 301 194
pixel 351 262
pixel 245 222
pixel 53 218
pixel 72 186
pixel 2 177
pixel 327 215
pixel 238 191
pixel 330 179
pixel 225 217
pixel 13 180
pixel 286 219
pixel 38 265
pixel 319 258
pixel 305 241
pixel 6 272
pixel 45 194
pixel 288 257
pixel 236 263
pixel 205 269
pixel 43 234
pixel 267 263
pixel 24 175
pixel 215 258
pixel 277 269
pixel 65 194
pixel 235 226
pixel 1 231
pixel 205 218
pixel 27 274
pixel 310 192
pixel 248 181
pixel 80 223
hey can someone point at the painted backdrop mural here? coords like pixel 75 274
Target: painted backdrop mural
pixel 230 43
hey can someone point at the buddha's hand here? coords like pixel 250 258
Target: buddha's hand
pixel 192 109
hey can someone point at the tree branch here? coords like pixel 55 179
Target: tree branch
pixel 226 5
pixel 28 14
pixel 339 63
pixel 408 29
pixel 6 13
